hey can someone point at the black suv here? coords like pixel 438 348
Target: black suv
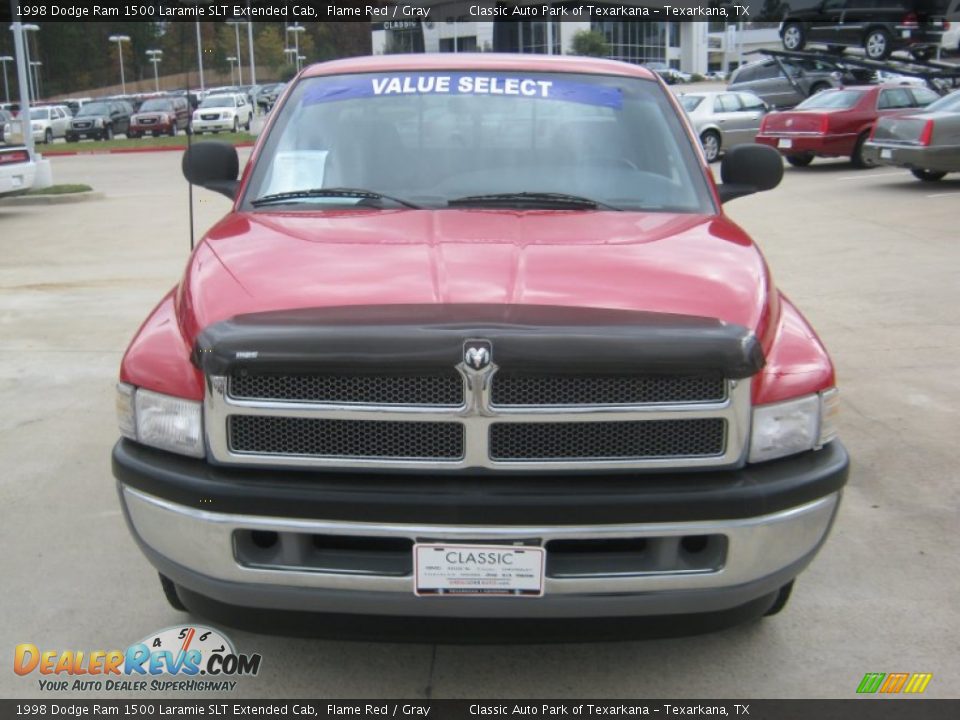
pixel 100 120
pixel 877 26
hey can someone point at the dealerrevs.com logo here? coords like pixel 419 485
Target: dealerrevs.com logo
pixel 185 658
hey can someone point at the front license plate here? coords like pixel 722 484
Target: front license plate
pixel 886 154
pixel 478 570
pixel 784 143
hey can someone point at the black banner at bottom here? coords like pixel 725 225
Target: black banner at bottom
pixel 874 708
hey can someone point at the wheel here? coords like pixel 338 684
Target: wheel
pixel 72 138
pixel 173 130
pixel 107 133
pixel 876 44
pixel 170 592
pixel 711 145
pixel 48 137
pixel 783 595
pixel 132 135
pixel 928 175
pixel 858 160
pixel 800 160
pixel 819 87
pixel 793 37
pixel 236 125
pixel 247 126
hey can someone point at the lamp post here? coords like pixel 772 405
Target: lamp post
pixel 6 83
pixel 296 30
pixel 35 64
pixel 232 60
pixel 236 29
pixel 31 89
pixel 120 40
pixel 155 57
pixel 200 56
pixel 253 62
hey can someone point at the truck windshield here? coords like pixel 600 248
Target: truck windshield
pixel 454 139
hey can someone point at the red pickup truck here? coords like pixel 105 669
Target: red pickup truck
pixel 476 340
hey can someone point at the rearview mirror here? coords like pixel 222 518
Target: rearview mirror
pixel 213 165
pixel 747 169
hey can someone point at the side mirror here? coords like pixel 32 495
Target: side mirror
pixel 747 169
pixel 213 165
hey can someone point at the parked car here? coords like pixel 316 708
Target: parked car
pixel 227 112
pixel 670 75
pixel 766 79
pixel 156 116
pixel 268 95
pixel 101 120
pixel 927 142
pixel 837 123
pixel 5 117
pixel 407 282
pixel 723 120
pixel 17 171
pixel 878 26
pixel 47 123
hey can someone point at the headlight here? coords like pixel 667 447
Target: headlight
pixel 37 126
pixel 227 114
pixel 790 427
pixel 161 421
pixel 98 122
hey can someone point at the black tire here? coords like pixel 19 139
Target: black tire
pixel 876 44
pixel 800 160
pixel 858 160
pixel 236 125
pixel 173 130
pixel 72 138
pixel 132 135
pixel 783 595
pixel 711 145
pixel 107 133
pixel 48 137
pixel 928 175
pixel 170 592
pixel 793 38
pixel 249 123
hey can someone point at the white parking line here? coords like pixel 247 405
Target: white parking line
pixel 868 175
pixel 946 194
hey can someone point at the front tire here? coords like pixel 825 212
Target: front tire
pixel 236 125
pixel 794 39
pixel 858 159
pixel 249 122
pixel 107 133
pixel 928 175
pixel 800 160
pixel 711 145
pixel 876 44
pixel 48 137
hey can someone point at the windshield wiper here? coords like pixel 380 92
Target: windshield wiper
pixel 539 199
pixel 294 195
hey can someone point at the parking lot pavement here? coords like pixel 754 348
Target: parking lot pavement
pixel 871 257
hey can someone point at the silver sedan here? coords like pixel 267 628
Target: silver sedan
pixel 723 119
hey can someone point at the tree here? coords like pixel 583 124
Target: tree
pixel 590 43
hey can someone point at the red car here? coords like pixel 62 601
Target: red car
pixel 477 340
pixel 166 115
pixel 837 122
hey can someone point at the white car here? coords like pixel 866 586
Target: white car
pixel 228 112
pixel 47 123
pixel 17 171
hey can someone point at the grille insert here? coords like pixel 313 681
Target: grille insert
pixel 269 435
pixel 558 390
pixel 445 390
pixel 645 439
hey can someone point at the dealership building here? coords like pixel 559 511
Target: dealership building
pixel 463 26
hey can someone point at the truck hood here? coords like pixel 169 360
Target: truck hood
pixel 688 264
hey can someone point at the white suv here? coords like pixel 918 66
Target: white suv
pixel 47 123
pixel 227 112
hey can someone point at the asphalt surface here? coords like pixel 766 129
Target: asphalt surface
pixel 871 257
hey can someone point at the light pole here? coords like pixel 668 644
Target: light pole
pixel 6 84
pixel 253 62
pixel 35 64
pixel 236 29
pixel 200 56
pixel 31 89
pixel 231 60
pixel 155 57
pixel 296 30
pixel 120 40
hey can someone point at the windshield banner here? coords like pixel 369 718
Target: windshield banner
pixel 385 85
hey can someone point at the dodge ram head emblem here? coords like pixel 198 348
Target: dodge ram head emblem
pixel 477 354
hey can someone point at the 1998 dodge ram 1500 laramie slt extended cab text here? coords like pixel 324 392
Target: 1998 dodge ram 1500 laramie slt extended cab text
pixel 477 340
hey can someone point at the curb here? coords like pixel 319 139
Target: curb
pixel 65 199
pixel 128 151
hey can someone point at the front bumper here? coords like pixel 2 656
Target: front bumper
pixel 208 125
pixel 937 158
pixel 190 519
pixel 157 127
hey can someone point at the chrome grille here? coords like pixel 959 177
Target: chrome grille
pixel 313 437
pixel 444 390
pixel 560 390
pixel 642 439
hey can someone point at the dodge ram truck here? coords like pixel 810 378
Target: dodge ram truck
pixel 477 341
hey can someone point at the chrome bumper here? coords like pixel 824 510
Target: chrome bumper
pixel 204 543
